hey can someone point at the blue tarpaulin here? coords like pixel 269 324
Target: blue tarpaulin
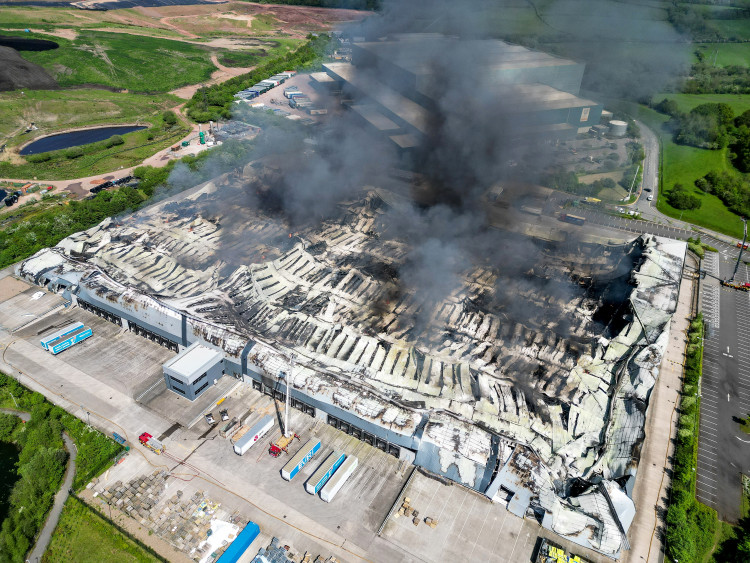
pixel 240 544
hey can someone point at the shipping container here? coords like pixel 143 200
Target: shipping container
pixel 305 454
pixel 62 332
pixel 574 219
pixel 324 472
pixel 531 210
pixel 253 435
pixel 69 340
pixel 342 474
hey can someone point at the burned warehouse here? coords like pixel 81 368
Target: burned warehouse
pixel 527 380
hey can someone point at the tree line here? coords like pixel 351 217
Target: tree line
pixel 42 460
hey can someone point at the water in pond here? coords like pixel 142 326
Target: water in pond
pixel 76 138
pixel 8 476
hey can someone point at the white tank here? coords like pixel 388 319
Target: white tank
pixel 618 128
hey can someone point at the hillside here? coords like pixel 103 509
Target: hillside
pixel 16 72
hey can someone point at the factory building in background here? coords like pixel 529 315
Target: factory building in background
pixel 395 89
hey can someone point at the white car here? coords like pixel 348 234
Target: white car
pixel 650 198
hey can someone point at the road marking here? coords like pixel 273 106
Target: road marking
pixel 699 484
pixel 741 440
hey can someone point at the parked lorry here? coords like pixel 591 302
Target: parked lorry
pixel 71 328
pixel 241 431
pixel 324 472
pixel 151 443
pixel 65 342
pixel 254 434
pixel 574 219
pixel 342 474
pixel 305 454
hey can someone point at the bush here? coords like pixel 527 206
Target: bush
pixel 113 141
pixel 37 158
pixel 170 118
pixel 75 152
pixel 731 189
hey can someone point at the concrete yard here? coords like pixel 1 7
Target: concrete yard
pixel 101 376
pixel 470 527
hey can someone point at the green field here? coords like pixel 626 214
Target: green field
pixel 56 110
pixel 726 54
pixel 738 102
pixel 733 29
pixel 117 60
pixel 85 537
pixel 684 165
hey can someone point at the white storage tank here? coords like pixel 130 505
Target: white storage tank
pixel 618 128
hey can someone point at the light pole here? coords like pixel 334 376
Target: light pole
pixel 287 400
pixel 14 400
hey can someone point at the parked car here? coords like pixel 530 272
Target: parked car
pixel 210 418
pixel 224 414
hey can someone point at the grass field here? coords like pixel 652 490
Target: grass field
pixel 123 61
pixel 683 164
pixel 738 102
pixel 85 537
pixel 55 110
pixel 726 54
pixel 733 29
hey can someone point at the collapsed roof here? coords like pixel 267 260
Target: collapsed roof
pixel 529 383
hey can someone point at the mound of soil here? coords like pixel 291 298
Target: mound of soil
pixel 16 72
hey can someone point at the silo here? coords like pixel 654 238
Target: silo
pixel 618 128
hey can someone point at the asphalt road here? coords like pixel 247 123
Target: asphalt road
pixel 62 495
pixel 723 449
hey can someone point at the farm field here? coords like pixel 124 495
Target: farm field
pixel 85 537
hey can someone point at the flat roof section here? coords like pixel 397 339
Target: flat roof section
pixel 400 106
pixel 371 114
pixel 194 361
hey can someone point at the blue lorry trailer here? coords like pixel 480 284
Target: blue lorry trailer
pixel 65 342
pixel 324 472
pixel 303 455
pixel 62 332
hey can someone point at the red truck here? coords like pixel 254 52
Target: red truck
pixel 151 443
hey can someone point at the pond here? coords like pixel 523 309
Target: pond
pixel 77 138
pixel 8 476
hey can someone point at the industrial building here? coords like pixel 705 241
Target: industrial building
pixel 393 87
pixel 191 371
pixel 539 404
